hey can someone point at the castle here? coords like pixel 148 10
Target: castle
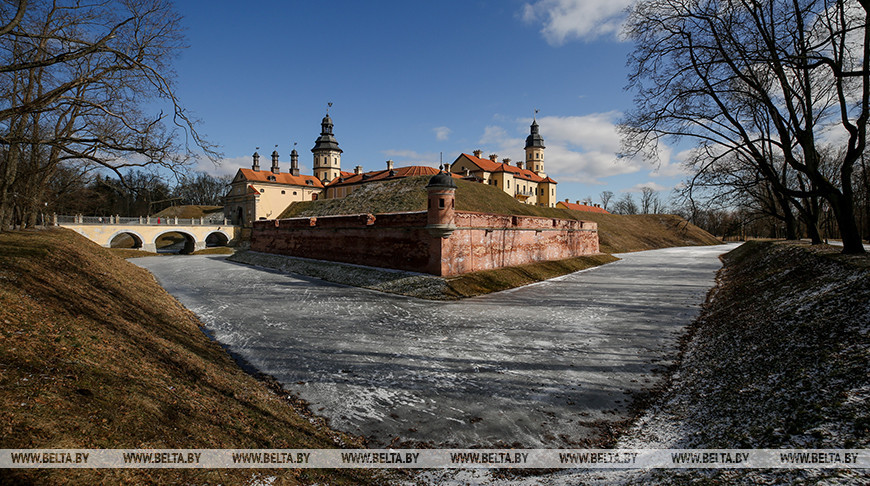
pixel 256 194
pixel 440 240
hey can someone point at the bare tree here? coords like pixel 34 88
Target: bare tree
pixel 625 205
pixel 648 200
pixel 202 189
pixel 75 79
pixel 16 19
pixel 766 80
pixel 605 198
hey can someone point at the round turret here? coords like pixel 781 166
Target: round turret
pixel 441 179
pixel 441 192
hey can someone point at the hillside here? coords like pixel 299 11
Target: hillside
pixel 779 358
pixel 95 354
pixel 188 212
pixel 617 234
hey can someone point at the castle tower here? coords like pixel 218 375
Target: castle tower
pixel 327 155
pixel 441 216
pixel 535 150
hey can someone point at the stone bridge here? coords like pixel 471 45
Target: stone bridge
pixel 198 233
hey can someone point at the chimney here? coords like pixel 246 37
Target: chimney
pixel 493 157
pixel 447 167
pixel 578 202
pixel 478 153
pixel 294 163
pixel 275 168
pixel 256 165
pixel 389 165
pixel 566 199
pixel 519 163
pixel 357 170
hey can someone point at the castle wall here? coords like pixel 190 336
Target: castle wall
pixel 401 241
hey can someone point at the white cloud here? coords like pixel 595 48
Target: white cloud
pixel 441 133
pixel 652 185
pixel 584 148
pixel 564 20
pixel 671 166
pixel 225 166
pixel 579 148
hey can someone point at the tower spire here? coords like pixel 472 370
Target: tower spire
pixel 327 154
pixel 535 148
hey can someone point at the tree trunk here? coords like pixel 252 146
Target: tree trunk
pixel 787 217
pixel 844 212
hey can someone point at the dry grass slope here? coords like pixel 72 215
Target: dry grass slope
pixel 95 354
pixel 617 234
pixel 779 358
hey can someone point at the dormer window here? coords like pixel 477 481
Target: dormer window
pixel 272 178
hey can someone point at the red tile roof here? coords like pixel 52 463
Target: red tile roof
pixel 490 166
pixel 380 175
pixel 581 207
pixel 280 178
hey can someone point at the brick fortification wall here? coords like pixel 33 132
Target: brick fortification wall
pixel 486 241
pixel 402 241
pixel 397 240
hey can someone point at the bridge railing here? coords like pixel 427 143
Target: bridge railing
pixel 58 219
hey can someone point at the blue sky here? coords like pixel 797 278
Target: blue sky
pixel 409 80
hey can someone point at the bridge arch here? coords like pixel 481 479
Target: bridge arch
pixel 138 240
pixel 190 242
pixel 217 238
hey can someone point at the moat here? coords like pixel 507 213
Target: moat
pixel 540 366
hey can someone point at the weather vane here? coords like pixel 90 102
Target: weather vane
pixel 328 107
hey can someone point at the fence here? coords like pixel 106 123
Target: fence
pixel 143 220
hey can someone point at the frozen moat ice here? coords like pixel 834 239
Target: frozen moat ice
pixel 539 366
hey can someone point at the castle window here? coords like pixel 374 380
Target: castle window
pixel 294 193
pixel 283 192
pixel 441 203
pixel 537 155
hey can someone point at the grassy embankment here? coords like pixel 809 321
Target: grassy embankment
pixel 95 354
pixel 617 234
pixel 779 358
pixel 188 211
